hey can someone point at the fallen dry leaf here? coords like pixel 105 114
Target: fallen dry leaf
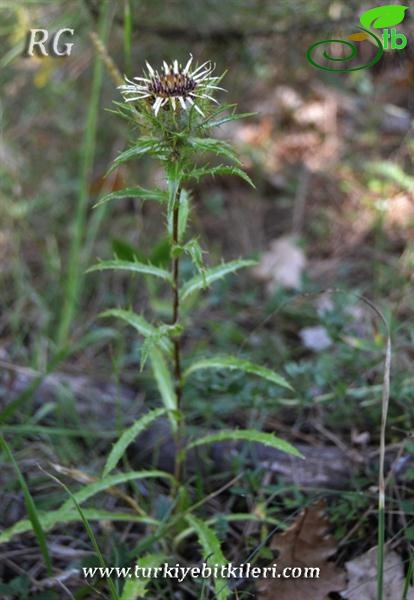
pixel 282 265
pixel 362 577
pixel 304 544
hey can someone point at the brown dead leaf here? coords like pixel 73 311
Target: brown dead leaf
pixel 362 577
pixel 304 544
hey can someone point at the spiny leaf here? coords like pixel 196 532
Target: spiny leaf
pixel 91 489
pixel 52 518
pixel 210 275
pixel 164 382
pixel 232 117
pixel 34 519
pixel 140 324
pixel 248 435
pixel 129 436
pixel 383 16
pixel 142 147
pixel 219 110
pixel 135 192
pixel 212 553
pixel 238 364
pixel 197 174
pixel 137 587
pixel 152 342
pixel 134 266
pixel 217 147
pixel 174 176
pixel 194 250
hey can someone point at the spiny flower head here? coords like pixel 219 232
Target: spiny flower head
pixel 174 85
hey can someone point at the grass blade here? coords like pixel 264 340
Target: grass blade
pixel 74 271
pixel 127 35
pixel 381 476
pixel 89 531
pixel 59 517
pixel 30 507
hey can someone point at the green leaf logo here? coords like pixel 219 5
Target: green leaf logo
pixel 383 16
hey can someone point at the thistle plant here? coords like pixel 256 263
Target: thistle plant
pixel 173 113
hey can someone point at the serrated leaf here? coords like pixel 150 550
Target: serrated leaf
pixel 135 192
pixel 164 382
pixel 128 436
pixel 139 323
pixel 91 489
pixel 234 117
pixel 137 587
pixel 248 435
pixel 238 364
pixel 133 266
pixel 197 174
pixel 163 332
pixel 194 250
pixel 174 181
pixel 212 553
pixel 52 518
pixel 215 146
pixel 214 274
pixel 142 147
pixel 383 16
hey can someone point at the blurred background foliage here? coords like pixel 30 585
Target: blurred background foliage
pixel 331 156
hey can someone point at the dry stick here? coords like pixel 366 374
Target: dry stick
pixel 108 61
pixel 381 484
